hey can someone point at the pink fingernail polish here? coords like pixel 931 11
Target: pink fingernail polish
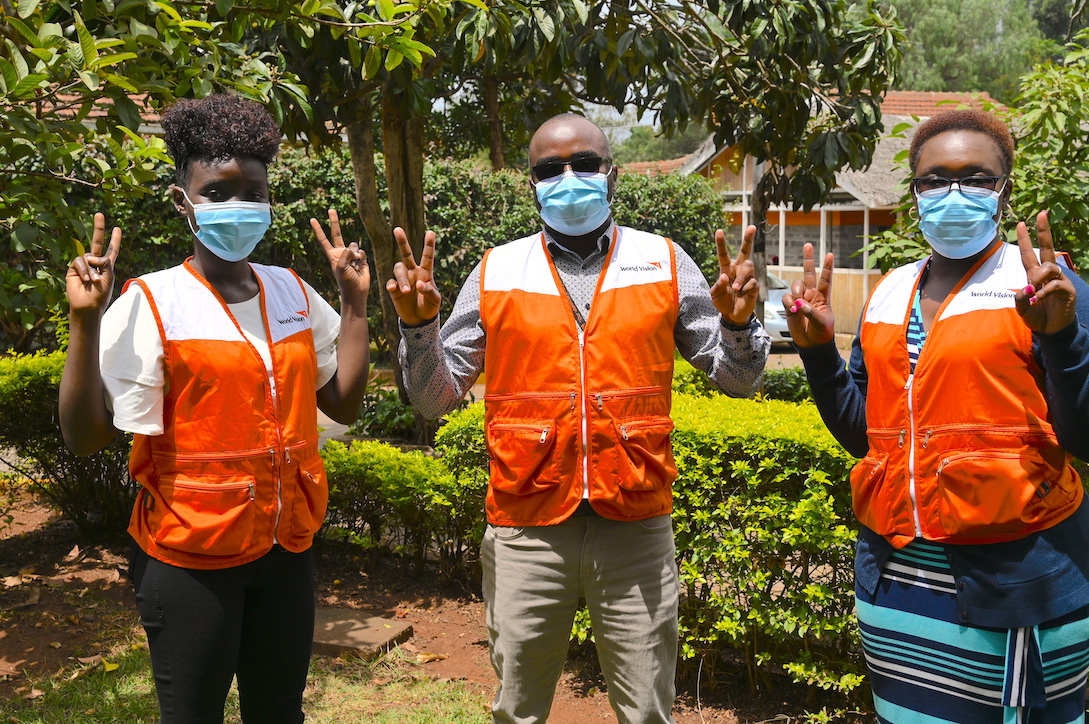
pixel 1030 290
pixel 1032 300
pixel 793 308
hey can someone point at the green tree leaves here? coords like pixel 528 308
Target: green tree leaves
pixel 77 79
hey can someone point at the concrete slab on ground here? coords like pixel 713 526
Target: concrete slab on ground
pixel 345 630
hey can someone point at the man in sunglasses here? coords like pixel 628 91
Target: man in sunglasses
pixel 576 327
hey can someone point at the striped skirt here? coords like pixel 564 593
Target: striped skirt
pixel 926 667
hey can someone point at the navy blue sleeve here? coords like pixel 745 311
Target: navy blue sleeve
pixel 1065 359
pixel 839 391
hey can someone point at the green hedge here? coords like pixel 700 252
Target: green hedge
pixel 383 497
pixel 788 384
pixel 765 538
pixel 94 492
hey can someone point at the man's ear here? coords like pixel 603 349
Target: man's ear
pixel 614 172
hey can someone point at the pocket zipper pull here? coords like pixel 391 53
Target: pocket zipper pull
pixel 544 435
pixel 902 433
pixel 253 491
pixel 624 431
pixel 600 404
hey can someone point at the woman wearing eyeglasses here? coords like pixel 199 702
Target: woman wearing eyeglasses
pixel 965 397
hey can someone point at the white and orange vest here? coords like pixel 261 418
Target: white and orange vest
pixel 237 466
pixel 567 411
pixel 961 451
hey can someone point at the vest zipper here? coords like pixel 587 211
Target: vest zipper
pixel 585 418
pixel 276 465
pixel 911 458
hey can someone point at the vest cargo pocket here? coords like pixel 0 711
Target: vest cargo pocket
pixel 521 455
pixel 867 477
pixel 311 500
pixel 991 492
pixel 646 455
pixel 206 515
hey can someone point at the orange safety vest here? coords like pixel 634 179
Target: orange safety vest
pixel 565 409
pixel 237 466
pixel 961 451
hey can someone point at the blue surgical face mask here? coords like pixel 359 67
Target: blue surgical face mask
pixel 230 229
pixel 956 224
pixel 574 204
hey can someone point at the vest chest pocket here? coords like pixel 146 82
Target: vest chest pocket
pixel 521 455
pixel 645 452
pixel 206 514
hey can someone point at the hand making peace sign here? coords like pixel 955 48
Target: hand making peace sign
pixel 349 263
pixel 413 290
pixel 809 303
pixel 89 280
pixel 1047 304
pixel 736 290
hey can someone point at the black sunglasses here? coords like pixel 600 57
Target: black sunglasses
pixel 582 164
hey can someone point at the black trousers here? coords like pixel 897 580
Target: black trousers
pixel 254 621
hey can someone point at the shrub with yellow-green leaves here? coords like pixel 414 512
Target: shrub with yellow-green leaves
pixel 765 539
pixel 383 496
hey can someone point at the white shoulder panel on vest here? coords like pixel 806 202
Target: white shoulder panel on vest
pixel 638 258
pixel 286 304
pixel 520 264
pixel 993 286
pixel 187 308
pixel 889 300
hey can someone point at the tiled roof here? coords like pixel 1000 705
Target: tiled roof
pixel 651 168
pixel 927 103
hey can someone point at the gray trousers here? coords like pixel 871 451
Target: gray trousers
pixel 533 579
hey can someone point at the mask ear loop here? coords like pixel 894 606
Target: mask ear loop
pixel 188 217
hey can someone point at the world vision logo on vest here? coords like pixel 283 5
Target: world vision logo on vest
pixel 650 266
pixel 295 318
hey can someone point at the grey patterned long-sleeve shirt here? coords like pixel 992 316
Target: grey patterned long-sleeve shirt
pixel 440 365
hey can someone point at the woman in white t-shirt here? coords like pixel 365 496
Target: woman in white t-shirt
pixel 218 367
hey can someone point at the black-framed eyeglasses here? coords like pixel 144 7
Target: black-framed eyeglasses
pixel 582 164
pixel 931 186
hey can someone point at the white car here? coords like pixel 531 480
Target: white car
pixel 775 321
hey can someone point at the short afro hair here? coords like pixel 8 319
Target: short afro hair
pixel 964 120
pixel 217 128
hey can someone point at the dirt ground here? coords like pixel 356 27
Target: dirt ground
pixel 56 597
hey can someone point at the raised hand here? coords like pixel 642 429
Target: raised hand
pixel 89 280
pixel 1047 303
pixel 349 263
pixel 809 303
pixel 736 290
pixel 413 290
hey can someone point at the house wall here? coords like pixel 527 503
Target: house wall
pixel 845 234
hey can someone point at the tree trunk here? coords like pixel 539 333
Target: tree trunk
pixel 403 148
pixel 761 202
pixel 495 123
pixel 383 249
